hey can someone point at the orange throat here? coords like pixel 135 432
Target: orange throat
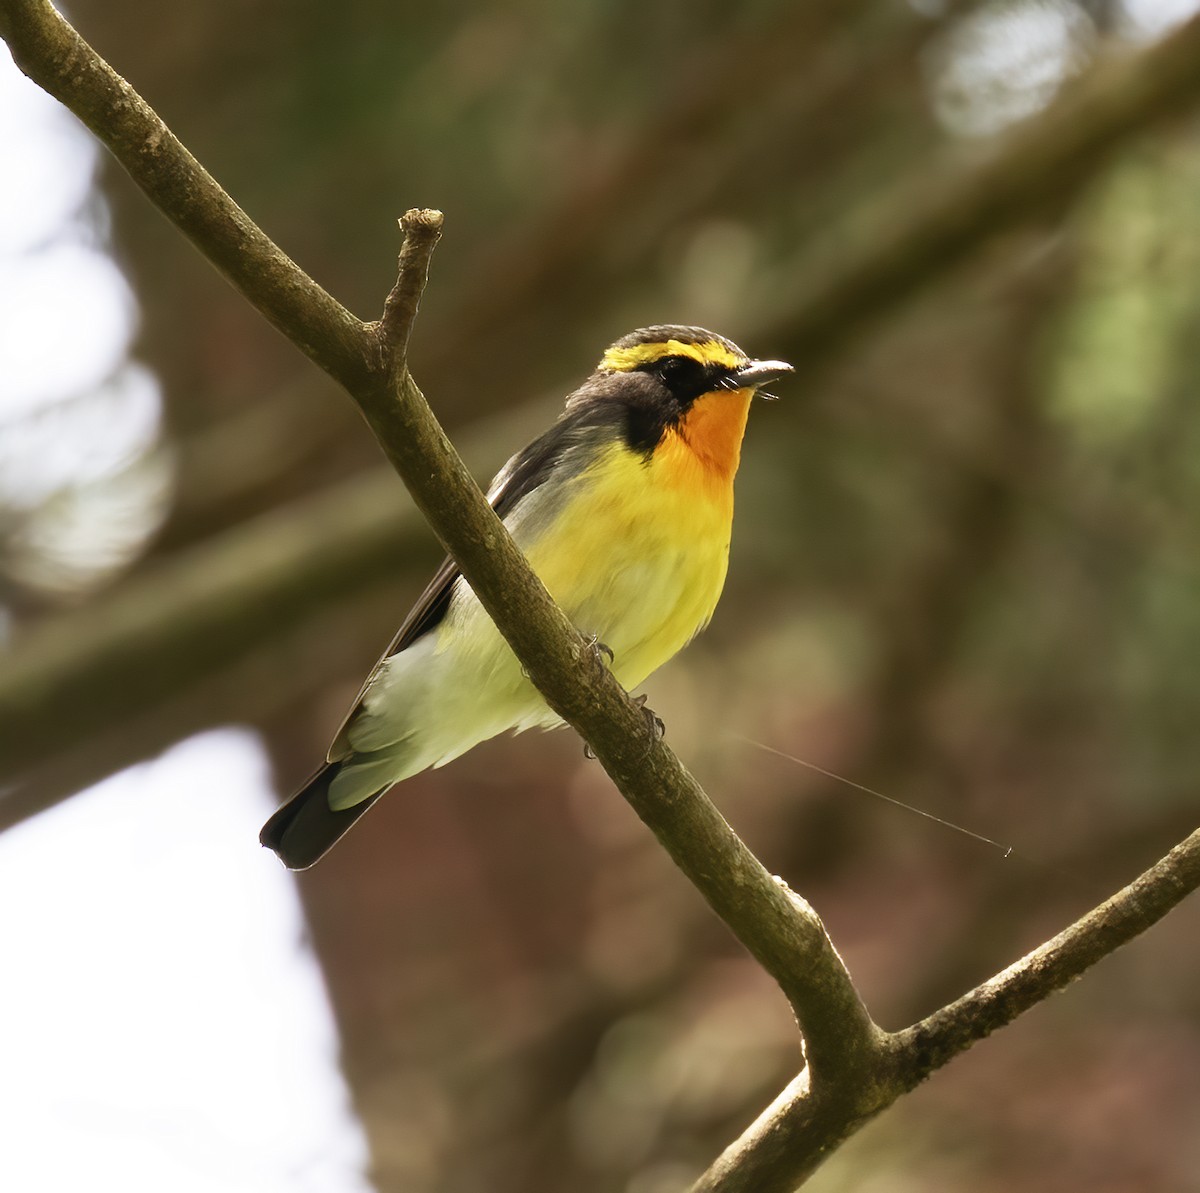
pixel 713 430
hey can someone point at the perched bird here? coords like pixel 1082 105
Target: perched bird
pixel 624 508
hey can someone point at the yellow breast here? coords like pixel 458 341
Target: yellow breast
pixel 639 552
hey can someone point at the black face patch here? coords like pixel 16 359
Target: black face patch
pixel 685 378
pixel 643 402
pixel 647 419
pixel 657 395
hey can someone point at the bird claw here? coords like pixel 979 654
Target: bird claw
pixel 602 648
pixel 653 721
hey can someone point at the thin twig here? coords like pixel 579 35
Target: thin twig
pixel 933 1041
pixel 422 228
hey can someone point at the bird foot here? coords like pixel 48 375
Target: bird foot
pixel 602 649
pixel 653 721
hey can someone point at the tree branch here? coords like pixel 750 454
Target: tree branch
pixel 855 1070
pixel 933 1041
pixel 795 1133
pixel 185 618
pixel 565 668
pixel 913 247
pixel 422 229
pixel 785 937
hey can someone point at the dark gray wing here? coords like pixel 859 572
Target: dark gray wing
pixel 524 473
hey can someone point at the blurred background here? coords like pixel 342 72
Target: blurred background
pixel 965 573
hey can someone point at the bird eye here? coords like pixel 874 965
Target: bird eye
pixel 676 369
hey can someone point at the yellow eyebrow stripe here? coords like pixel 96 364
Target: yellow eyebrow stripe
pixel 707 352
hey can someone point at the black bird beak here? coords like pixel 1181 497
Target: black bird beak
pixel 759 372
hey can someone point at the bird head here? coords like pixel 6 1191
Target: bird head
pixel 688 362
pixel 684 380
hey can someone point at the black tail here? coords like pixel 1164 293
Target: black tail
pixel 306 827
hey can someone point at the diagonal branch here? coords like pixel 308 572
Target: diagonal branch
pixel 933 1041
pixel 855 1070
pixel 912 247
pixel 794 1134
pixel 786 939
pixel 778 929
